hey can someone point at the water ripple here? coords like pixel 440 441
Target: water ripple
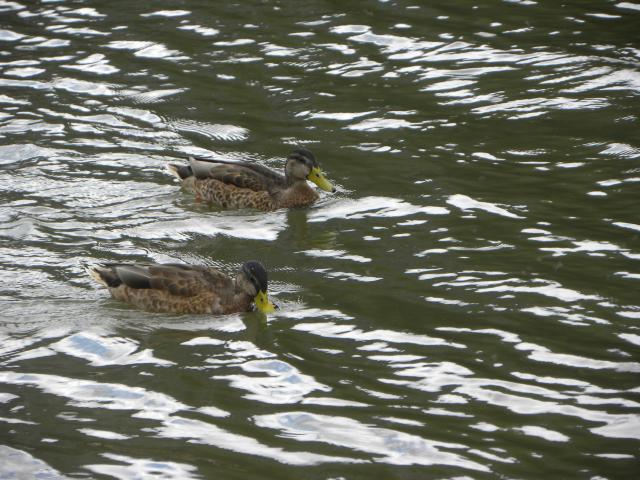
pixel 463 305
pixel 387 446
pixel 142 468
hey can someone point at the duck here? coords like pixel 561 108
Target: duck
pixel 183 288
pixel 236 185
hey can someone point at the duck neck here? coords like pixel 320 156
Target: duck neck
pixel 241 301
pixel 290 179
pixel 295 182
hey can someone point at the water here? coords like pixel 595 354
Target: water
pixel 466 305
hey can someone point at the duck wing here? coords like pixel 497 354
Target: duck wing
pixel 176 279
pixel 241 174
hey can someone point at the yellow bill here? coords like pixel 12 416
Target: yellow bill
pixel 262 302
pixel 316 176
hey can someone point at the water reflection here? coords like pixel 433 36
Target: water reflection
pixel 128 467
pixel 470 290
pixel 16 463
pixel 205 433
pixel 386 445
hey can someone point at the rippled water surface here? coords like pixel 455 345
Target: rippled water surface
pixel 465 306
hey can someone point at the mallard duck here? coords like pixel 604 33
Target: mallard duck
pixel 246 185
pixel 180 288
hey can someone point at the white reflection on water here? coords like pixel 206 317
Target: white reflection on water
pixel 330 329
pixel 274 381
pixel 136 468
pixel 107 435
pixel 347 275
pixel 204 31
pixel 566 315
pixel 196 341
pixel 167 13
pixel 365 207
pixel 339 116
pixel 543 354
pixel 315 313
pixel 541 286
pixel 436 377
pixel 549 435
pixel 89 394
pixel 103 350
pixel 18 464
pixel 341 254
pixel 591 247
pixel 146 49
pixel 464 202
pixel 389 446
pixel 209 130
pixel 96 63
pixel 197 431
pixel 616 425
pixel 377 124
pixel 631 338
pixel 551 289
pixel 256 227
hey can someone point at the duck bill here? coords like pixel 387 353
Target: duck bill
pixel 262 302
pixel 316 176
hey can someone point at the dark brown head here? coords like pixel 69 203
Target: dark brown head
pixel 253 280
pixel 302 165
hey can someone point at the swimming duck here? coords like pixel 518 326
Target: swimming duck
pixel 180 288
pixel 246 185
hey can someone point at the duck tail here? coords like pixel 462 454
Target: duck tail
pixel 103 275
pixel 181 172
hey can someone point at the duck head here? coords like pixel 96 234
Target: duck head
pixel 302 165
pixel 252 279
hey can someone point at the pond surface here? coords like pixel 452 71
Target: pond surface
pixel 465 306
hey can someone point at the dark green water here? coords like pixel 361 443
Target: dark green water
pixel 466 306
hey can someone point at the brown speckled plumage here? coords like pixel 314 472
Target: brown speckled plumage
pixel 235 185
pixel 229 196
pixel 174 288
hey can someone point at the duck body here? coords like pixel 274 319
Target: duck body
pixel 180 288
pixel 236 185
